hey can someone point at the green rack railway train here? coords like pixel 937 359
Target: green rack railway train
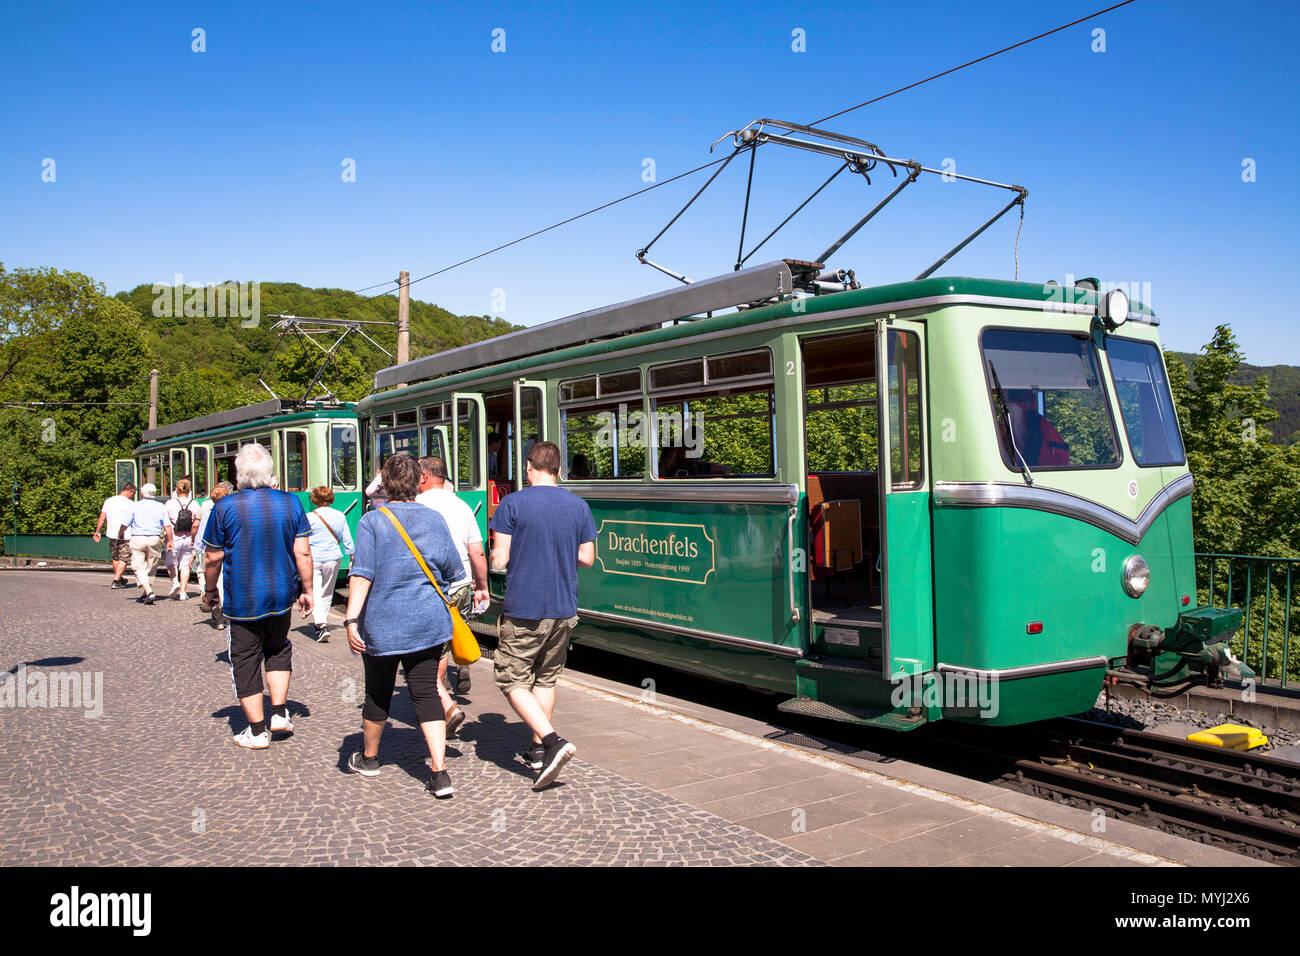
pixel 950 497
pixel 311 444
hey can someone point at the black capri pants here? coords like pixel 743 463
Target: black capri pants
pixel 421 669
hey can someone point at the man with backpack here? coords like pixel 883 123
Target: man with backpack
pixel 184 515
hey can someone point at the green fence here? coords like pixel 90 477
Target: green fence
pixel 76 547
pixel 1263 588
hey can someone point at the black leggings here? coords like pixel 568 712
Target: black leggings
pixel 421 669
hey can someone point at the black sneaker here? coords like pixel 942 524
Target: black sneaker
pixel 366 766
pixel 117 585
pixel 140 599
pixel 322 635
pixel 553 759
pixel 534 755
pixel 439 785
pixel 150 600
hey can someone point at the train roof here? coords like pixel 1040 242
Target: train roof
pixel 256 414
pixel 641 321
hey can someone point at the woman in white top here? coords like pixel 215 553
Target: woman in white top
pixel 330 540
pixel 183 511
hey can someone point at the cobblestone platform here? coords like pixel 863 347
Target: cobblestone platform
pixel 154 778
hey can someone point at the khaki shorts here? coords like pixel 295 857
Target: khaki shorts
pixel 463 600
pixel 531 653
pixel 119 549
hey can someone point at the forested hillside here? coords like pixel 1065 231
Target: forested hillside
pixel 1283 392
pixel 228 353
pixel 64 340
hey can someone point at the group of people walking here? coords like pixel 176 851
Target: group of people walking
pixel 412 561
pixel 142 533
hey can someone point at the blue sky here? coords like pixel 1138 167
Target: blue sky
pixel 226 164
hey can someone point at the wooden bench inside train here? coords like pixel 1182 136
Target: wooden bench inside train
pixel 841 457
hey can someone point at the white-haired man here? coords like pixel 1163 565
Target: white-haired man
pixel 259 538
pixel 149 527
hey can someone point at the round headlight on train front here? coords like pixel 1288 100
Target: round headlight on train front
pixel 1113 308
pixel 1137 575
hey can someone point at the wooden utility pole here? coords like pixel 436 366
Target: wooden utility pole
pixel 403 317
pixel 153 412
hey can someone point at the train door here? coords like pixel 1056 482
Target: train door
pixel 469 465
pixel 529 425
pixel 841 459
pixel 907 601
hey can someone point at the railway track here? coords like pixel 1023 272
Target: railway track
pixel 1245 802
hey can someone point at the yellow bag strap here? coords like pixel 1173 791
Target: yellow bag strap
pixel 407 538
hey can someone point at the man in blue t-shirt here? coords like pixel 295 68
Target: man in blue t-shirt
pixel 542 533
pixel 260 537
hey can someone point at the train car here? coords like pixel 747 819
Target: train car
pixel 311 444
pixel 945 498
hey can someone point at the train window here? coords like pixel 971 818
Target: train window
pixel 739 366
pixel 715 435
pixel 389 443
pixel 180 465
pixel 904 410
pixel 840 428
pixel 293 445
pixel 530 425
pixel 604 441
pixel 384 421
pixel 264 441
pixel 407 417
pixel 467 478
pixel 616 384
pixel 200 471
pixel 343 457
pixel 1144 402
pixel 578 389
pixel 1047 388
pixel 440 412
pixel 677 375
pixel 164 482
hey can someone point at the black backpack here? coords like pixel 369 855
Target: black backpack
pixel 184 518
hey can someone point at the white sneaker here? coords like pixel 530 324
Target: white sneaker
pixel 183 596
pixel 281 725
pixel 251 741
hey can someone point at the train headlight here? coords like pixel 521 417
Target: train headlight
pixel 1113 308
pixel 1136 576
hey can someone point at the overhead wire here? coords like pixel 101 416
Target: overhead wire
pixel 727 159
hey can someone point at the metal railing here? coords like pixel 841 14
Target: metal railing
pixel 77 547
pixel 1262 588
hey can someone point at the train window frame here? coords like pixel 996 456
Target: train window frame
pixel 335 483
pixel 1004 450
pixel 614 404
pixel 707 380
pixel 200 476
pixel 1178 427
pixel 439 413
pixel 286 434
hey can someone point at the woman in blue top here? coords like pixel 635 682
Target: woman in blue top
pixel 396 616
pixel 330 540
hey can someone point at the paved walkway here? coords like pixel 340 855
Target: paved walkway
pixel 154 779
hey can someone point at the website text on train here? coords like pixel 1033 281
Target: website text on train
pixel 946 497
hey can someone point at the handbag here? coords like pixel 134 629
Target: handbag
pixel 464 646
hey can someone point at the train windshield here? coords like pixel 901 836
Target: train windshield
pixel 1145 403
pixel 1046 389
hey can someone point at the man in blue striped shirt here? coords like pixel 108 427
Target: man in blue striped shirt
pixel 260 537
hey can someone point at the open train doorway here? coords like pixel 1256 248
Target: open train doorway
pixel 868 509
